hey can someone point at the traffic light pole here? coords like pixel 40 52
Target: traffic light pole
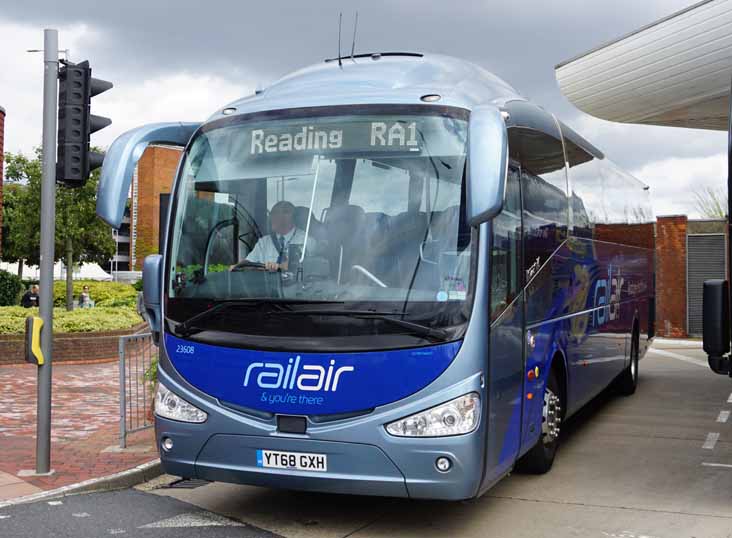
pixel 48 227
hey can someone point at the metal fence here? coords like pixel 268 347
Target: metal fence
pixel 138 356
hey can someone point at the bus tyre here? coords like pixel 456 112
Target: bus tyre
pixel 539 459
pixel 627 381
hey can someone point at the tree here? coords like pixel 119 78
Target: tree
pixel 711 202
pixel 80 235
pixel 12 251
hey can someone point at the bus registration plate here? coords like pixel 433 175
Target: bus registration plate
pixel 300 461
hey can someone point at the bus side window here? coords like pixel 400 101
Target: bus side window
pixel 544 189
pixel 505 268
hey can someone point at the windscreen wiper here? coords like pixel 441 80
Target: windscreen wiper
pixel 187 327
pixel 415 328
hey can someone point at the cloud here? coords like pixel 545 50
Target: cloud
pixel 21 81
pixel 145 98
pixel 674 181
pixel 181 60
pixel 181 96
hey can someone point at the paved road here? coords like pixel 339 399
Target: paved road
pixel 645 466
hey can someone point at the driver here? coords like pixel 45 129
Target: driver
pixel 272 249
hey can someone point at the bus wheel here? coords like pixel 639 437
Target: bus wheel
pixel 627 382
pixel 539 459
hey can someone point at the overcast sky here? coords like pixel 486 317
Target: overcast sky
pixel 181 60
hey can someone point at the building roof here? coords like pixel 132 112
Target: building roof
pixel 674 72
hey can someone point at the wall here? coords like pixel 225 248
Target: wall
pixel 671 276
pixel 637 235
pixel 155 173
pixel 82 347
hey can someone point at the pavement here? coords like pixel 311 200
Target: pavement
pixel 654 465
pixel 84 430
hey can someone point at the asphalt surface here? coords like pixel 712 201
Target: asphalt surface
pixel 654 465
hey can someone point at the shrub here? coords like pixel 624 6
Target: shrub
pixel 12 319
pixel 137 285
pixel 10 288
pixel 102 293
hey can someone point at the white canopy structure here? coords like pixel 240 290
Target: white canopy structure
pixel 674 72
pixel 88 271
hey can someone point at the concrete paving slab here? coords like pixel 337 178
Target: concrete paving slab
pixel 17 489
pixel 7 478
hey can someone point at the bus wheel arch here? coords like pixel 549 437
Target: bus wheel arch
pixel 627 382
pixel 539 459
pixel 558 365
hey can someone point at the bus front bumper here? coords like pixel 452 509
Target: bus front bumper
pixel 352 468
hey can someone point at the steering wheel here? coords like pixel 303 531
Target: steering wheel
pixel 246 265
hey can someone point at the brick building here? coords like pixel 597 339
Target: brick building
pixel 139 234
pixel 687 253
pixel 2 154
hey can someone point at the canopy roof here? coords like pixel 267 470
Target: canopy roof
pixel 674 72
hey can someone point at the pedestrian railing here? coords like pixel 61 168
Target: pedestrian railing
pixel 138 357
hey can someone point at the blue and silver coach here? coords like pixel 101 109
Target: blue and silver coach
pixel 458 273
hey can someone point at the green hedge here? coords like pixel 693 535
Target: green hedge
pixel 10 287
pixel 102 293
pixel 12 319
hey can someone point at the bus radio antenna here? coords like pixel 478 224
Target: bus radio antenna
pixel 340 20
pixel 353 45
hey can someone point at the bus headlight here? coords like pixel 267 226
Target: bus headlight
pixel 455 417
pixel 172 406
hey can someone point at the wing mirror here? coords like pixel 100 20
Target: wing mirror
pixel 152 292
pixel 487 164
pixel 121 159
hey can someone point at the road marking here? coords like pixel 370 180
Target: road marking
pixel 4 517
pixel 723 416
pixel 729 400
pixel 724 465
pixel 679 357
pixel 193 519
pixel 55 503
pixel 712 439
pixel 81 514
pixel 627 534
pixel 116 531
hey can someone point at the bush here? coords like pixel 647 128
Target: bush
pixel 110 294
pixel 137 285
pixel 12 319
pixel 10 288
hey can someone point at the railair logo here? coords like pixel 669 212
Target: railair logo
pixel 308 377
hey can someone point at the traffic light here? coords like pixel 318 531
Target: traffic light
pixel 75 160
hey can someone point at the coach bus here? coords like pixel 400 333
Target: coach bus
pixel 387 274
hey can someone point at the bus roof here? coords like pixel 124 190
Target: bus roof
pixel 380 78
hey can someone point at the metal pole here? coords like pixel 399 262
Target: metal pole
pixel 729 194
pixel 48 221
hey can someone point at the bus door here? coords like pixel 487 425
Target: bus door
pixel 506 350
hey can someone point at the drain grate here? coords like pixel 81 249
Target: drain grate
pixel 187 483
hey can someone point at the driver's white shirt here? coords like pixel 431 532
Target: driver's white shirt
pixel 266 251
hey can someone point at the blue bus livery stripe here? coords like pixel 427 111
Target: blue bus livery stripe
pixel 308 383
